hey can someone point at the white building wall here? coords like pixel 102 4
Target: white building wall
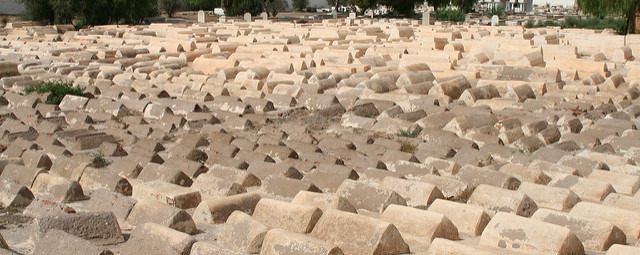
pixel 10 7
pixel 565 3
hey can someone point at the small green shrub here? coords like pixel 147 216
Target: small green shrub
pixel 529 24
pixel 408 147
pixel 410 133
pixel 56 89
pixel 448 14
pixel 99 160
pixel 498 11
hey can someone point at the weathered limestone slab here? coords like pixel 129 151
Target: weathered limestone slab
pixel 217 210
pixel 243 233
pixel 162 240
pixel 329 177
pixel 526 174
pixel 244 178
pixel 357 234
pixel 208 247
pixel 21 174
pixel 586 189
pixel 293 217
pixel 58 188
pixel 367 196
pixel 622 183
pixel 595 234
pixel 469 220
pixel 623 219
pixel 157 172
pixel 560 199
pixel 94 178
pixel 286 187
pixel 441 246
pixel 323 201
pixel 60 242
pixel 417 194
pixel 622 201
pixel 477 176
pixel 168 216
pixel 452 189
pixel 98 227
pixel 212 186
pixel 619 249
pixel 520 234
pixel 167 193
pixel 503 200
pixel 14 195
pixel 432 225
pixel 280 241
pixel 104 200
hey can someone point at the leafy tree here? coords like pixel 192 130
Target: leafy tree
pixel 338 3
pixel 404 7
pixel 38 10
pixel 205 4
pixel 275 6
pixel 89 12
pixel 448 14
pixel 170 6
pixel 465 5
pixel 300 5
pixel 602 8
pixel 365 4
pixel 240 7
pixel 437 4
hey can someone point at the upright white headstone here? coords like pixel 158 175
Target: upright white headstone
pixel 264 16
pixel 222 19
pixel 495 20
pixel 352 15
pixel 426 18
pixel 201 17
pixel 247 17
pixel 334 13
pixel 370 13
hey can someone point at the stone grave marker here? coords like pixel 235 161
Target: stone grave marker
pixel 247 17
pixel 495 20
pixel 352 15
pixel 334 13
pixel 201 17
pixel 264 16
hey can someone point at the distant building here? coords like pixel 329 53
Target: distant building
pixel 10 7
pixel 509 5
pixel 565 3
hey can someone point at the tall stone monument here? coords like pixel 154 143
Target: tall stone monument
pixel 334 13
pixel 426 17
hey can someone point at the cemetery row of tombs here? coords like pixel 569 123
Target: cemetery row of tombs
pixel 341 137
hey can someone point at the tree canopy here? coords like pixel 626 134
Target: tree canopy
pixel 602 8
pixel 89 12
pixel 404 7
pixel 300 5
